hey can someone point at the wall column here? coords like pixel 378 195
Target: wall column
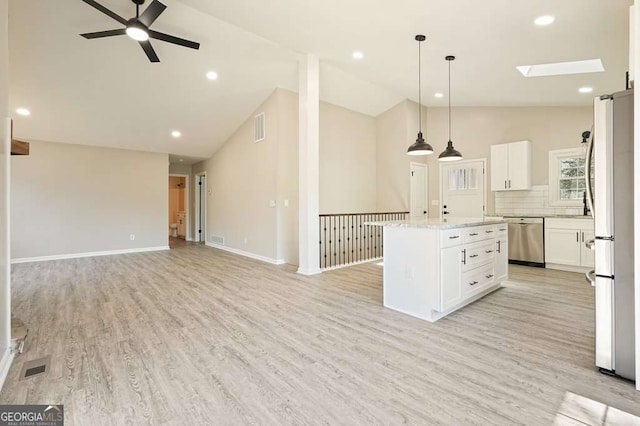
pixel 5 155
pixel 309 165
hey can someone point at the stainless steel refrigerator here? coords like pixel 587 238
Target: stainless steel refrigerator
pixel 611 199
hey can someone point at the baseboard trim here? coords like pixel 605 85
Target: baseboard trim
pixel 309 271
pixel 88 254
pixel 246 254
pixel 5 364
pixel 567 268
pixel 346 265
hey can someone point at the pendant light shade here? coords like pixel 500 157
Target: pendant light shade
pixel 420 147
pixel 450 153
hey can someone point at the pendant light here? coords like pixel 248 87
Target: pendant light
pixel 450 153
pixel 420 147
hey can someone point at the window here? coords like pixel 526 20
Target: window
pixel 566 177
pixel 463 178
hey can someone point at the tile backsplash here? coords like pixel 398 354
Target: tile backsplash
pixel 532 202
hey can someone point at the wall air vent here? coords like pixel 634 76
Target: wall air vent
pixel 217 239
pixel 258 125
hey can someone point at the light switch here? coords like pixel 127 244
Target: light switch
pixel 272 203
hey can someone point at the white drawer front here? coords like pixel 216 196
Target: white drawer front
pixel 476 233
pixel 477 279
pixel 478 254
pixel 450 237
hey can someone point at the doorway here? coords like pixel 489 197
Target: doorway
pixel 179 221
pixel 462 188
pixel 418 175
pixel 201 207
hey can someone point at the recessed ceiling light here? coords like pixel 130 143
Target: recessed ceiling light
pixel 357 55
pixel 176 134
pixel 23 111
pixel 439 95
pixel 562 68
pixel 181 160
pixel 212 75
pixel 585 89
pixel 544 20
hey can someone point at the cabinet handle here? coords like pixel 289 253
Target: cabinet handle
pixel 489 276
pixel 498 242
pixel 509 183
pixel 473 283
pixel 577 237
pixel 505 184
pixel 464 256
pixel 488 232
pixel 583 237
pixel 454 237
pixel 472 256
pixel 473 234
pixel 489 251
pixel 502 229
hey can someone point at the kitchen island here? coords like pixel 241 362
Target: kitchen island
pixel 433 267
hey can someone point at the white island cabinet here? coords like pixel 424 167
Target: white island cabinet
pixel 434 266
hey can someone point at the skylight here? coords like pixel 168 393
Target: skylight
pixel 561 68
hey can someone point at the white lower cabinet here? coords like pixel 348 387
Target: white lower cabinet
pixel 565 243
pixel 451 267
pixel 432 270
pixel 471 264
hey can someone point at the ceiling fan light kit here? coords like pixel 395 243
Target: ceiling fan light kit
pixel 420 147
pixel 138 27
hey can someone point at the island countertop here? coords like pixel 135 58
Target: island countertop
pixel 440 223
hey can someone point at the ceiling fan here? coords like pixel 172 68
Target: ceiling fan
pixel 138 27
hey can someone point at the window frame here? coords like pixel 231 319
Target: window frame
pixel 555 157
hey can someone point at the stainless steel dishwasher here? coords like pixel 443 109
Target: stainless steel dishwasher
pixel 526 240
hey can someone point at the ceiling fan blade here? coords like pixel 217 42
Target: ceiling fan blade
pixel 101 34
pixel 148 49
pixel 151 13
pixel 106 11
pixel 175 40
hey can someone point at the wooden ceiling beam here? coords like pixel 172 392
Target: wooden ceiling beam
pixel 19 147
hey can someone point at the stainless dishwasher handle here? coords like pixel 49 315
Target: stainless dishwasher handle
pixel 591 277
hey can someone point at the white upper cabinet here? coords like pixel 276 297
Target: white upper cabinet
pixel 511 166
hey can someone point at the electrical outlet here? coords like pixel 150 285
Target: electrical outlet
pixel 272 203
pixel 132 237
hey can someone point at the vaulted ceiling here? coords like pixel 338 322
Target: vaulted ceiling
pixel 105 92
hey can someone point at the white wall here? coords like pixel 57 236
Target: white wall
pixel 396 130
pixel 5 155
pixel 241 181
pixel 475 129
pixel 347 161
pixel 70 199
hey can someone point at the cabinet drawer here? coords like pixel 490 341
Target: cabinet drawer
pixel 560 223
pixel 474 255
pixel 501 230
pixel 477 233
pixel 450 237
pixel 477 279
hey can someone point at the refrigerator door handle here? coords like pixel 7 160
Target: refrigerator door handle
pixel 588 172
pixel 591 277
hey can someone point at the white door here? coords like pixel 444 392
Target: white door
pixel 419 187
pixel 462 188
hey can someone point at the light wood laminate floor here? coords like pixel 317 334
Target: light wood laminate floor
pixel 198 336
